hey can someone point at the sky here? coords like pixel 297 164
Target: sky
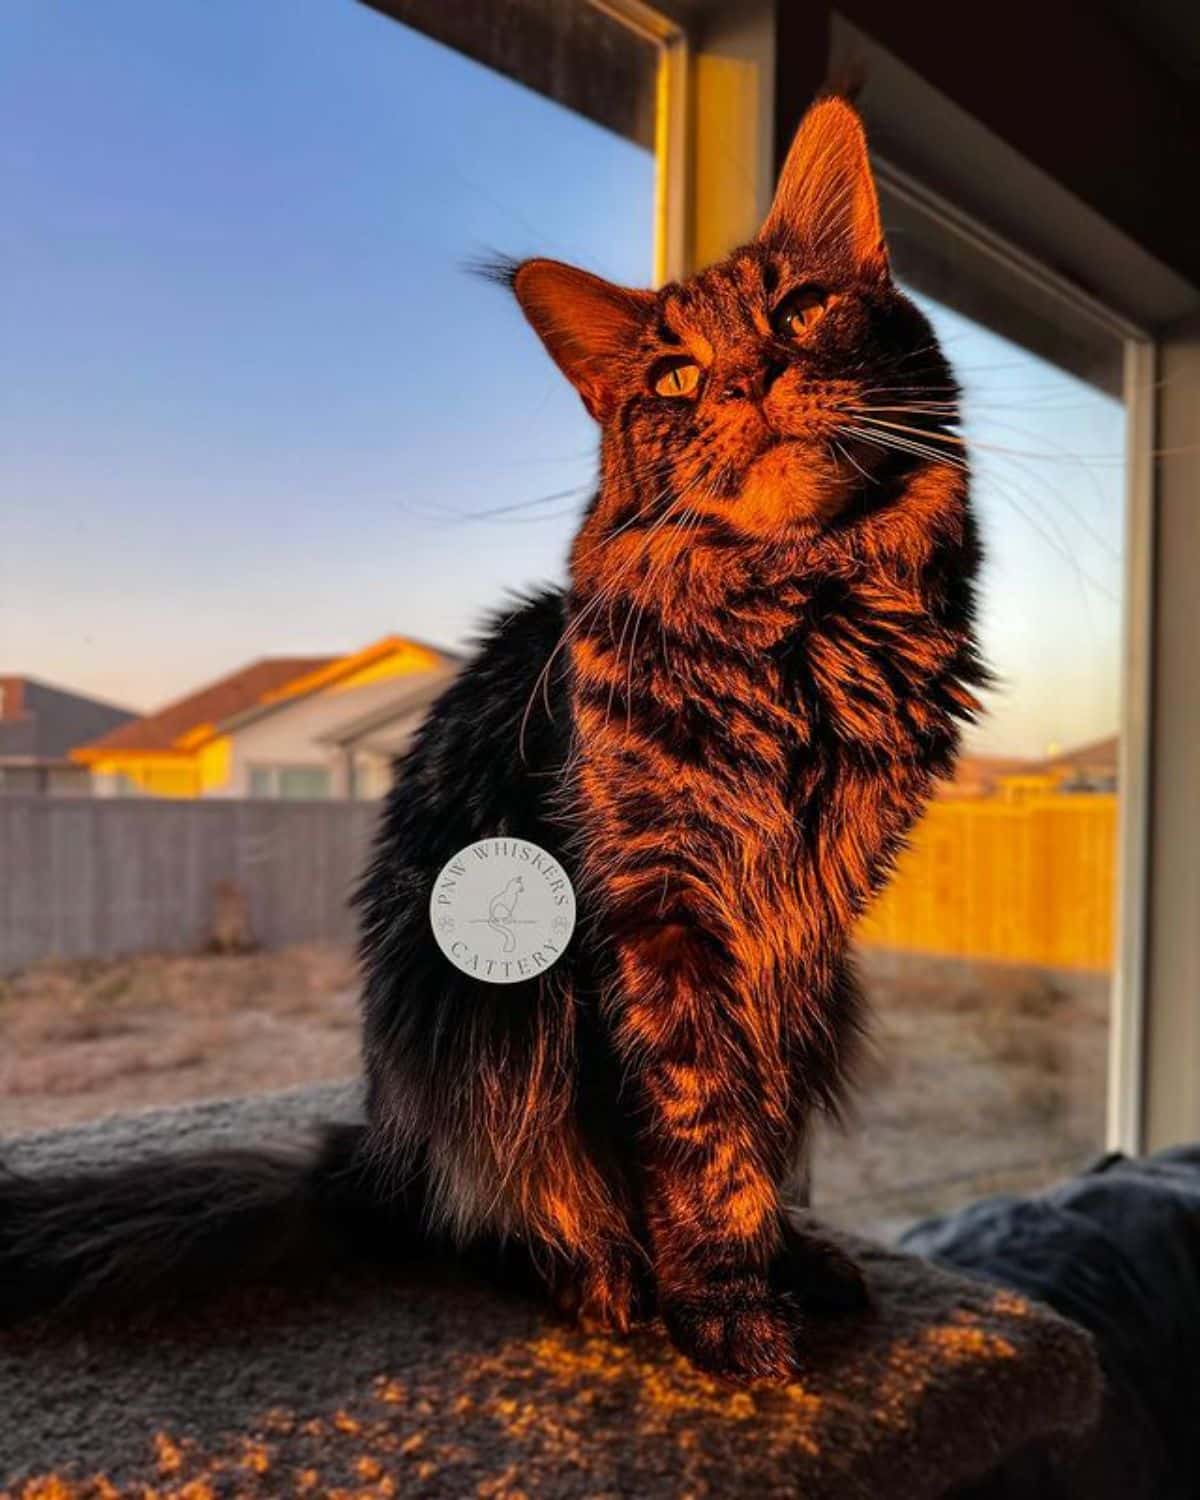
pixel 255 404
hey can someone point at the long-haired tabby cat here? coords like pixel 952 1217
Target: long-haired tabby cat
pixel 723 728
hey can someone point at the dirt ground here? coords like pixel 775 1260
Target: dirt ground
pixel 86 1039
pixel 977 1077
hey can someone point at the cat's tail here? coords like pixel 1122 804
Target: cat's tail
pixel 160 1232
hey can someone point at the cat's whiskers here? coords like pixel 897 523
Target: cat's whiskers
pixel 885 439
pixel 1013 456
pixel 644 589
pixel 946 410
pixel 870 431
pixel 689 521
pixel 949 437
pixel 605 594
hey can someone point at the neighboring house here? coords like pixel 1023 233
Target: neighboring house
pixel 980 775
pixel 367 742
pixel 1087 768
pixel 269 730
pixel 315 743
pixel 39 726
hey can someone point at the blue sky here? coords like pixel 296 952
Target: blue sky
pixel 253 404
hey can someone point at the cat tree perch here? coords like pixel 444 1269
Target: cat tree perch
pixel 434 1386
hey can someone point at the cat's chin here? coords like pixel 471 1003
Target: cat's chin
pixel 792 483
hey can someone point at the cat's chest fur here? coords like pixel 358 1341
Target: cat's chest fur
pixel 769 747
pixel 738 704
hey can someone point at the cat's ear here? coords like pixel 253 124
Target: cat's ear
pixel 826 199
pixel 587 325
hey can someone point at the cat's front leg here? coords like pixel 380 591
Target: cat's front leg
pixel 713 1146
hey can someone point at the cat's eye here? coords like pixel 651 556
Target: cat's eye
pixel 800 311
pixel 678 379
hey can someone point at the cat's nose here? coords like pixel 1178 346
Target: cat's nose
pixel 752 384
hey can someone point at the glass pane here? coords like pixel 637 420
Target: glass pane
pixel 988 960
pixel 262 781
pixel 303 781
pixel 268 421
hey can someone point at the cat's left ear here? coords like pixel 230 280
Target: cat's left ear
pixel 586 323
pixel 826 201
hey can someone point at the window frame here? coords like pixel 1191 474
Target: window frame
pixel 671 147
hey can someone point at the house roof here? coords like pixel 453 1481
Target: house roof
pixel 41 723
pixel 186 718
pixel 424 660
pixel 263 687
pixel 379 711
pixel 974 771
pixel 1099 753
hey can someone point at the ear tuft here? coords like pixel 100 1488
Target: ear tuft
pixel 586 323
pixel 826 199
pixel 501 270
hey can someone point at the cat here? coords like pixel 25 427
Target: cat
pixel 723 728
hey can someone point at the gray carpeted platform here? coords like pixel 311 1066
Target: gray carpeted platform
pixel 434 1386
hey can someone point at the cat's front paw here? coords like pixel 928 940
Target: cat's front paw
pixel 611 1292
pixel 740 1331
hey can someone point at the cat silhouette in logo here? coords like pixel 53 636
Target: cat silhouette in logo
pixel 501 909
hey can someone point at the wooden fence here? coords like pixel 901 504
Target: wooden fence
pixel 986 878
pixel 95 878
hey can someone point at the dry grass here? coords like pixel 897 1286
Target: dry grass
pixel 87 1039
pixel 977 1075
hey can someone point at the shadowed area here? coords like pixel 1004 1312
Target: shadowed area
pixel 429 1383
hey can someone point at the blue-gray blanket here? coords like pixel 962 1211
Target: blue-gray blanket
pixel 1117 1250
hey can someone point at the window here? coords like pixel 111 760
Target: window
pixel 259 303
pixel 301 783
pixel 262 781
pixel 244 251
pixel 989 959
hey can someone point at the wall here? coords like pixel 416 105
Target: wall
pixel 148 775
pixel 1172 1104
pixel 291 735
pixel 83 878
pixel 287 737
